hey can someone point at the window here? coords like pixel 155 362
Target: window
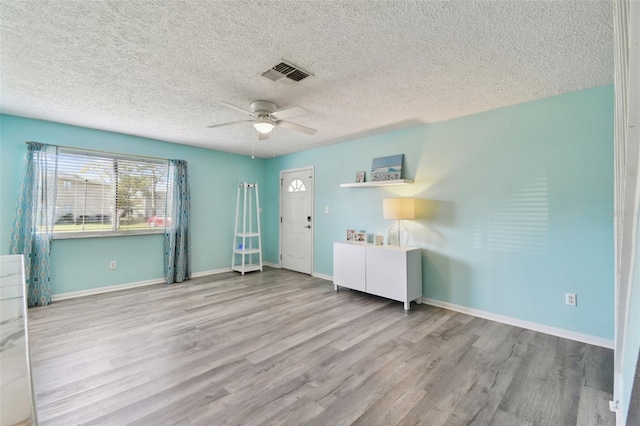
pixel 101 194
pixel 297 185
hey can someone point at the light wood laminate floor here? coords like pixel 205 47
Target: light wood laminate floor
pixel 284 348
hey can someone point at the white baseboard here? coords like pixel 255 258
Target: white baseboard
pixel 210 272
pixel 107 289
pixel 272 265
pixel 323 276
pixel 559 332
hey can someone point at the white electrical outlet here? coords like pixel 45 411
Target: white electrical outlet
pixel 113 265
pixel 570 299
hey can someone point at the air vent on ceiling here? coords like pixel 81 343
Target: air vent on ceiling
pixel 286 73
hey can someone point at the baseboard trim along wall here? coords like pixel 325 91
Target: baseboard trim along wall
pixel 272 265
pixel 107 289
pixel 559 332
pixel 323 276
pixel 110 288
pixel 553 331
pixel 210 272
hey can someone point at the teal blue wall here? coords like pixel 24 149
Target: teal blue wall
pixel 514 207
pixel 81 264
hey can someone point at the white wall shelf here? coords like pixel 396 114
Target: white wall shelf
pixel 379 183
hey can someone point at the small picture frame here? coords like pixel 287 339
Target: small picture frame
pixel 379 240
pixel 350 234
pixel 360 177
pixel 360 237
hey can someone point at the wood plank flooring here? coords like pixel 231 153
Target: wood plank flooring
pixel 281 348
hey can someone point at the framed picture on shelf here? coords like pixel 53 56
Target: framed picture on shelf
pixel 350 234
pixel 360 237
pixel 387 168
pixel 360 177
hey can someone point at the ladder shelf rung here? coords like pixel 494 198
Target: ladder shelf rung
pixel 247 234
pixel 248 267
pixel 247 251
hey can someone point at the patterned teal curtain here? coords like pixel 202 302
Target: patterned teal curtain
pixel 33 225
pixel 177 241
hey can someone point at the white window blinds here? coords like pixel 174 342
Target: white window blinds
pixel 104 194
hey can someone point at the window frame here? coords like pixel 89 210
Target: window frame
pixel 158 230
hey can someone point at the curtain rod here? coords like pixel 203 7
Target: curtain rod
pixel 107 152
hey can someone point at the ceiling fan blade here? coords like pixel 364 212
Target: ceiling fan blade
pixel 299 128
pixel 213 126
pixel 288 113
pixel 263 136
pixel 236 108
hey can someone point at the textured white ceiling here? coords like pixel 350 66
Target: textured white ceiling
pixel 157 68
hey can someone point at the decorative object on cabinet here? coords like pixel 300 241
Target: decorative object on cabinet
pixel 387 271
pixel 350 233
pixel 387 168
pixel 398 209
pixel 360 177
pixel 379 240
pixel 360 237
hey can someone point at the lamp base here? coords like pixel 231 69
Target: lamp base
pixel 398 234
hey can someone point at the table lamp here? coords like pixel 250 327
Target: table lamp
pixel 398 209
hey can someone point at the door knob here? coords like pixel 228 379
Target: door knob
pixel 308 226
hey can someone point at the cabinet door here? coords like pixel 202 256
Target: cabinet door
pixel 348 266
pixel 387 273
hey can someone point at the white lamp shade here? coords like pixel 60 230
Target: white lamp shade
pixel 399 208
pixel 263 125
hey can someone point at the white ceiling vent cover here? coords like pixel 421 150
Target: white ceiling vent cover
pixel 286 73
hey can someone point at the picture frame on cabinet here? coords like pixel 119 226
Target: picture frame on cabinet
pixel 350 234
pixel 360 177
pixel 360 237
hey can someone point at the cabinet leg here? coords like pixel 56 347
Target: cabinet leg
pixel 335 287
pixel 406 305
pixel 419 300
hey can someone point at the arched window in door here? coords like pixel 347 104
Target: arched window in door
pixel 297 185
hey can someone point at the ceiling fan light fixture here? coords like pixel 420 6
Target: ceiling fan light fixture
pixel 263 125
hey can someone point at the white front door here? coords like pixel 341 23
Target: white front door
pixel 296 228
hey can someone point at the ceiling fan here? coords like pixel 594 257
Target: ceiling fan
pixel 267 116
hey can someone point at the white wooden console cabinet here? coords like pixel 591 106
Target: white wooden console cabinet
pixel 387 271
